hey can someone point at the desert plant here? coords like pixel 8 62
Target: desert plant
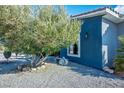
pixel 7 54
pixel 119 59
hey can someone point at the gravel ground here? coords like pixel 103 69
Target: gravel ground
pixel 71 76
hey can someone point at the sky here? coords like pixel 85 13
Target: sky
pixel 77 9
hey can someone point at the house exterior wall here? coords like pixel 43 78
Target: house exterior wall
pixel 63 53
pixel 120 30
pixel 100 47
pixel 90 47
pixel 109 41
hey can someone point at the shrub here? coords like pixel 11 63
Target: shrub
pixel 7 54
pixel 119 60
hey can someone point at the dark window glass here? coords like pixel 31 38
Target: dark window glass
pixel 75 49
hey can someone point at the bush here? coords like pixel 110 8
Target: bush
pixel 119 60
pixel 1 48
pixel 7 54
pixel 119 64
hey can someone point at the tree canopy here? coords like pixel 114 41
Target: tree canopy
pixel 46 29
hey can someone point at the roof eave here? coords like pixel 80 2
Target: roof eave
pixel 106 12
pixel 97 13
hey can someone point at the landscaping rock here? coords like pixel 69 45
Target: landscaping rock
pixel 43 66
pixel 23 67
pixel 45 63
pixel 107 69
pixel 38 68
pixel 26 69
pixel 19 68
pixel 63 61
pixel 34 69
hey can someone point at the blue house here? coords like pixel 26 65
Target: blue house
pixel 98 38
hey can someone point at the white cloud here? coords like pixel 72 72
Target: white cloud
pixel 120 9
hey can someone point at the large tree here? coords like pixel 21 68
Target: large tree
pixel 41 32
pixel 13 19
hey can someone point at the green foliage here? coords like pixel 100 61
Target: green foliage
pixel 119 60
pixel 2 48
pixel 44 31
pixel 7 54
pixel 13 19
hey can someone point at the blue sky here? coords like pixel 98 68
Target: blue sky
pixel 77 9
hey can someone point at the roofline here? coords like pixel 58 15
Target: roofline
pixel 96 10
pixel 106 11
pixel 89 14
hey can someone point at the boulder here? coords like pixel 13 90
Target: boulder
pixel 23 67
pixel 107 69
pixel 63 61
pixel 43 67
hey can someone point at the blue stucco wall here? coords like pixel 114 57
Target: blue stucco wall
pixel 120 31
pixel 109 41
pixel 63 53
pixel 121 28
pixel 91 47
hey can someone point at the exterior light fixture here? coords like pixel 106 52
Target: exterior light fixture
pixel 86 35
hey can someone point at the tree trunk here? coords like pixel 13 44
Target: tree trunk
pixel 7 60
pixel 38 60
pixel 41 61
pixel 16 54
pixel 35 60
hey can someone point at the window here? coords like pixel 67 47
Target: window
pixel 74 49
pixel 71 49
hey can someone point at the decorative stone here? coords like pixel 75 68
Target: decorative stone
pixel 45 63
pixel 34 69
pixel 38 68
pixel 63 61
pixel 19 68
pixel 66 61
pixel 43 66
pixel 25 69
pixel 107 69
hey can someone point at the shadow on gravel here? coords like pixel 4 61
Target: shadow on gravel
pixel 7 68
pixel 84 70
pixel 11 66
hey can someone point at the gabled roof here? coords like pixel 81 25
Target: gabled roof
pixel 108 13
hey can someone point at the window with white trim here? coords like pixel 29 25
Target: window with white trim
pixel 74 49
